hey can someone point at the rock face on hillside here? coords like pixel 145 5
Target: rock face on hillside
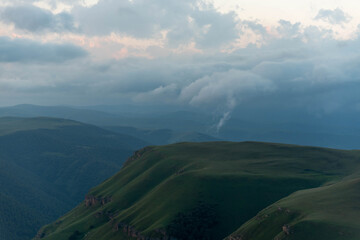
pixel 40 235
pixel 137 155
pixel 130 231
pixel 236 238
pixel 93 201
pixel 286 229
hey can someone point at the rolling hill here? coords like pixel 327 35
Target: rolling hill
pixel 220 190
pixel 47 165
pixel 181 126
pixel 82 115
pixel 166 126
pixel 162 136
pixel 327 212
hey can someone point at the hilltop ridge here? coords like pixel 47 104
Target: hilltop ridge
pixel 206 191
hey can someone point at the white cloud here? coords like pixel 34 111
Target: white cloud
pixel 336 16
pixel 148 19
pixel 222 86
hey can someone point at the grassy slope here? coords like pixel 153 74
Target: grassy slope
pixel 237 179
pixel 329 212
pixel 46 167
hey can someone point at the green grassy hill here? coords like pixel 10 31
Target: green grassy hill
pixel 329 212
pixel 210 190
pixel 46 167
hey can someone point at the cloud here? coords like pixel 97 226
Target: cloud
pixel 288 30
pixel 335 17
pixel 255 26
pixel 35 19
pixel 182 21
pixel 21 50
pixel 222 91
pixel 159 94
pixel 222 86
pixel 296 67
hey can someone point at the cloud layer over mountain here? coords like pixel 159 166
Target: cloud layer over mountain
pixel 178 53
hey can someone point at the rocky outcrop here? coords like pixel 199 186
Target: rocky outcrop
pixel 286 210
pixel 180 171
pixel 107 214
pixel 132 232
pixel 286 229
pixel 236 238
pixel 137 155
pixel 40 235
pixel 91 200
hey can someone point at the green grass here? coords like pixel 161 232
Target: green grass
pixel 328 212
pixel 169 184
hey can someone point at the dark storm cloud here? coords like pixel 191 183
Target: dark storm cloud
pixel 20 50
pixel 336 16
pixel 34 19
pixel 305 68
pixel 302 67
pixel 294 76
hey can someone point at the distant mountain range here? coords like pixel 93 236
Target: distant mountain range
pixel 47 165
pixel 156 130
pixel 162 136
pixel 164 127
pixel 222 190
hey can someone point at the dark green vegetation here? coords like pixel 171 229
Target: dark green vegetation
pixel 46 167
pixel 216 190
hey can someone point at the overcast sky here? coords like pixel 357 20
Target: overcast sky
pixel 187 53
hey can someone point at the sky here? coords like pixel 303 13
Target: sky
pixel 211 55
